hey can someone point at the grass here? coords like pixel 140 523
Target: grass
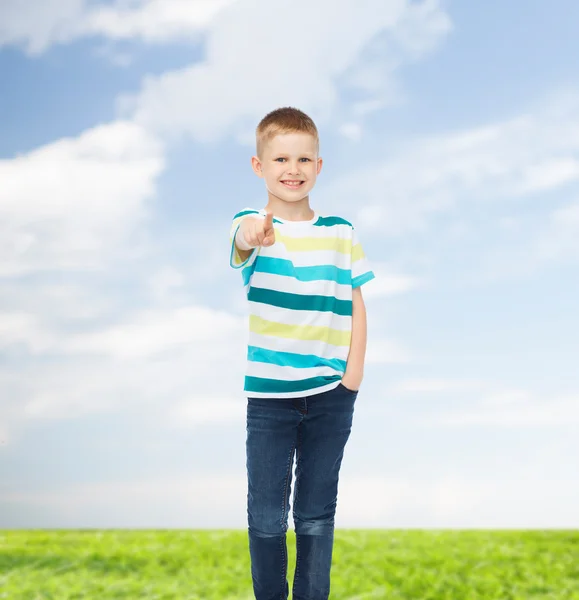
pixel 367 565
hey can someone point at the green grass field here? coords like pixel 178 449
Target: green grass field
pixel 194 564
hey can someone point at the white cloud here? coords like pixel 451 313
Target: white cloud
pixel 484 403
pixel 153 332
pixel 191 412
pixel 72 203
pixel 351 131
pixel 19 327
pixel 166 360
pixel 244 75
pixel 513 410
pixel 389 284
pixel 165 281
pixel 518 157
pixel 172 387
pixel 547 174
pixel 54 301
pixel 152 20
pixel 39 24
pixel 560 238
pixel 433 385
pixel 506 398
pixel 4 437
pixel 384 351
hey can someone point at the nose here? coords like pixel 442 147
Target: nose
pixel 293 168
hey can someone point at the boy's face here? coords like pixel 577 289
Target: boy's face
pixel 289 157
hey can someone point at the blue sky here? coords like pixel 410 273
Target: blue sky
pixel 450 135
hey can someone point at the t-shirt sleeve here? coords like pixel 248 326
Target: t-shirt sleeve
pixel 361 270
pixel 235 259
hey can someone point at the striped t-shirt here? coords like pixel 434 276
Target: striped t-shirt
pixel 300 304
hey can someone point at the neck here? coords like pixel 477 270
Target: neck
pixel 290 211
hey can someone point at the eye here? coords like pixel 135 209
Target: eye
pixel 304 158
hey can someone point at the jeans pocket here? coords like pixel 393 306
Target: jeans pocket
pixel 347 389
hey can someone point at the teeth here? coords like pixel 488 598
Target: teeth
pixel 293 183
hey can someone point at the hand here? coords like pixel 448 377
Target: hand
pixel 257 231
pixel 351 382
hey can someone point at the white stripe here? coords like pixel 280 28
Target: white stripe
pixel 335 231
pixel 314 347
pixel 290 285
pixel 360 266
pixel 300 317
pixel 269 371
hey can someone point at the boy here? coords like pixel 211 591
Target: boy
pixel 307 341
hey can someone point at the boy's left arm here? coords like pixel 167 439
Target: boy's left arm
pixel 352 378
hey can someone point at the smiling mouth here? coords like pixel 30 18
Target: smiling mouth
pixel 292 184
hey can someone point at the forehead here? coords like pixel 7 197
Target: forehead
pixel 292 143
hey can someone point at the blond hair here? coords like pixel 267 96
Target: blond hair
pixel 284 120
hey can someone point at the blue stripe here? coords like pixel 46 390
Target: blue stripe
pixel 312 302
pixel 277 386
pixel 245 212
pixel 361 279
pixel 291 359
pixel 330 221
pixel 280 266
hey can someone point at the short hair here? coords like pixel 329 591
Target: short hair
pixel 284 120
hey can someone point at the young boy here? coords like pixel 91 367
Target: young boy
pixel 307 341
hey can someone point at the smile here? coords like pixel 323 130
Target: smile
pixel 293 184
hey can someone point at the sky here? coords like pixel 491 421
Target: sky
pixel 450 137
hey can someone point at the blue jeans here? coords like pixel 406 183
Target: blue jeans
pixel 315 429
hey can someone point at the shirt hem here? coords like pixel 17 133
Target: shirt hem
pixel 299 394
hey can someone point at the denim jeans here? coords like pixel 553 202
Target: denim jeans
pixel 315 429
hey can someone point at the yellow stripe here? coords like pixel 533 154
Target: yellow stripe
pixel 299 332
pixel 309 244
pixel 357 252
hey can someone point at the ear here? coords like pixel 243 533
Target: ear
pixel 320 162
pixel 256 166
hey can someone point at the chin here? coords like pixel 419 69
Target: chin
pixel 293 197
